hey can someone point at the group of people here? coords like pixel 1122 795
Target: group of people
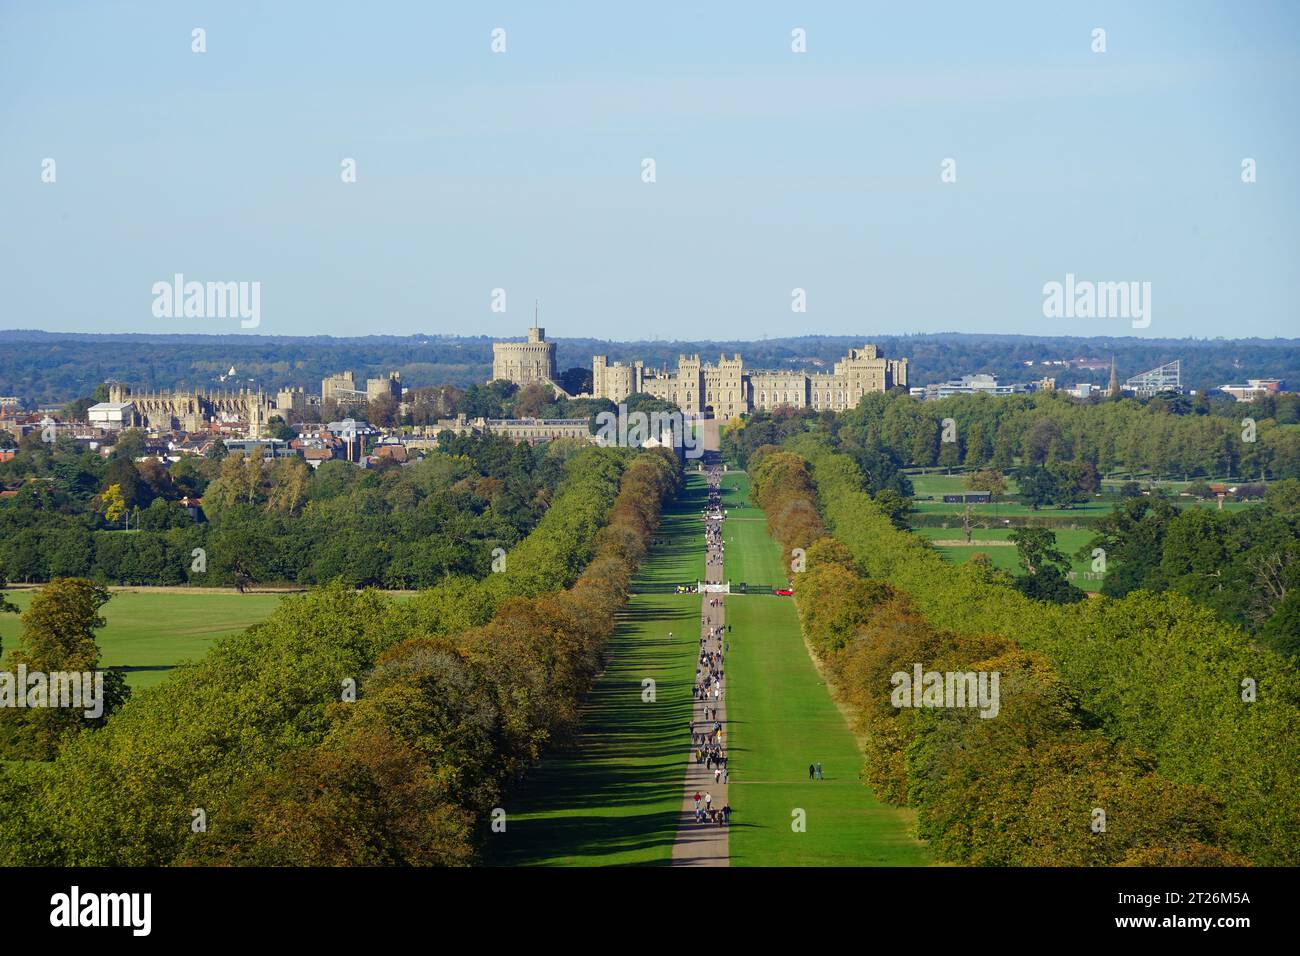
pixel 706 812
pixel 708 739
pixel 708 673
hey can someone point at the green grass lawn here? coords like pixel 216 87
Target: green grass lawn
pixel 936 484
pixel 750 555
pixel 615 797
pixel 1068 540
pixel 781 718
pixel 149 633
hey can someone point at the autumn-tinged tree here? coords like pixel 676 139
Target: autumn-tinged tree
pixel 289 481
pixel 112 504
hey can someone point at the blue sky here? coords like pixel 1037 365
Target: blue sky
pixel 774 170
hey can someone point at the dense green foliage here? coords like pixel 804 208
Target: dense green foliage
pixel 1158 436
pixel 274 523
pixel 1146 684
pixel 58 635
pixel 1245 565
pixel 458 690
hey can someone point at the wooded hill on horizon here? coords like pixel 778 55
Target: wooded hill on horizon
pixel 45 367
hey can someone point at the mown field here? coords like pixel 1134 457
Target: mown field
pixel 150 632
pixel 750 557
pixel 935 484
pixel 1004 556
pixel 781 718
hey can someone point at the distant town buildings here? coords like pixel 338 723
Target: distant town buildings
pixel 531 430
pixel 1253 389
pixel 192 422
pixel 342 388
pixel 980 384
pixel 189 411
pixel 112 416
pixel 1165 378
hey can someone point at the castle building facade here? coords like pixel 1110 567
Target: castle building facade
pixel 728 389
pixel 525 363
pixel 194 411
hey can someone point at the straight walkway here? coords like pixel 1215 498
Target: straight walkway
pixel 704 842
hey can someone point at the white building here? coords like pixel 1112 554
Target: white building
pixel 112 415
pixel 1253 389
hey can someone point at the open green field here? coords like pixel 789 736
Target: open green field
pixel 616 796
pixel 936 484
pixel 751 556
pixel 1004 557
pixel 150 632
pixel 780 718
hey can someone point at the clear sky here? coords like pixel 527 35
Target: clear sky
pixel 774 170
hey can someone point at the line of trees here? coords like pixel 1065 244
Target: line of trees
pixel 1149 704
pixel 458 690
pixel 279 522
pixel 1164 437
pixel 1245 565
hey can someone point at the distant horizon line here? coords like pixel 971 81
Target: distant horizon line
pixel 866 336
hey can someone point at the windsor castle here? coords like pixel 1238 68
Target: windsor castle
pixel 725 390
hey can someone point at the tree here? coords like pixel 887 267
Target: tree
pixel 1282 631
pixel 281 429
pixel 977 445
pixel 1133 539
pixel 112 504
pixel 1036 548
pixel 289 481
pixel 1004 448
pixel 576 380
pixel 1037 487
pixel 1041 440
pixel 6 606
pixel 894 506
pixel 58 636
pixel 1045 566
pixel 531 399
pixel 129 444
pixel 991 481
pixel 135 492
pixel 382 412
pixel 1284 496
pixel 950 455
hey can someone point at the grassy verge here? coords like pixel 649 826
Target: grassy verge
pixel 781 718
pixel 148 633
pixel 614 797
